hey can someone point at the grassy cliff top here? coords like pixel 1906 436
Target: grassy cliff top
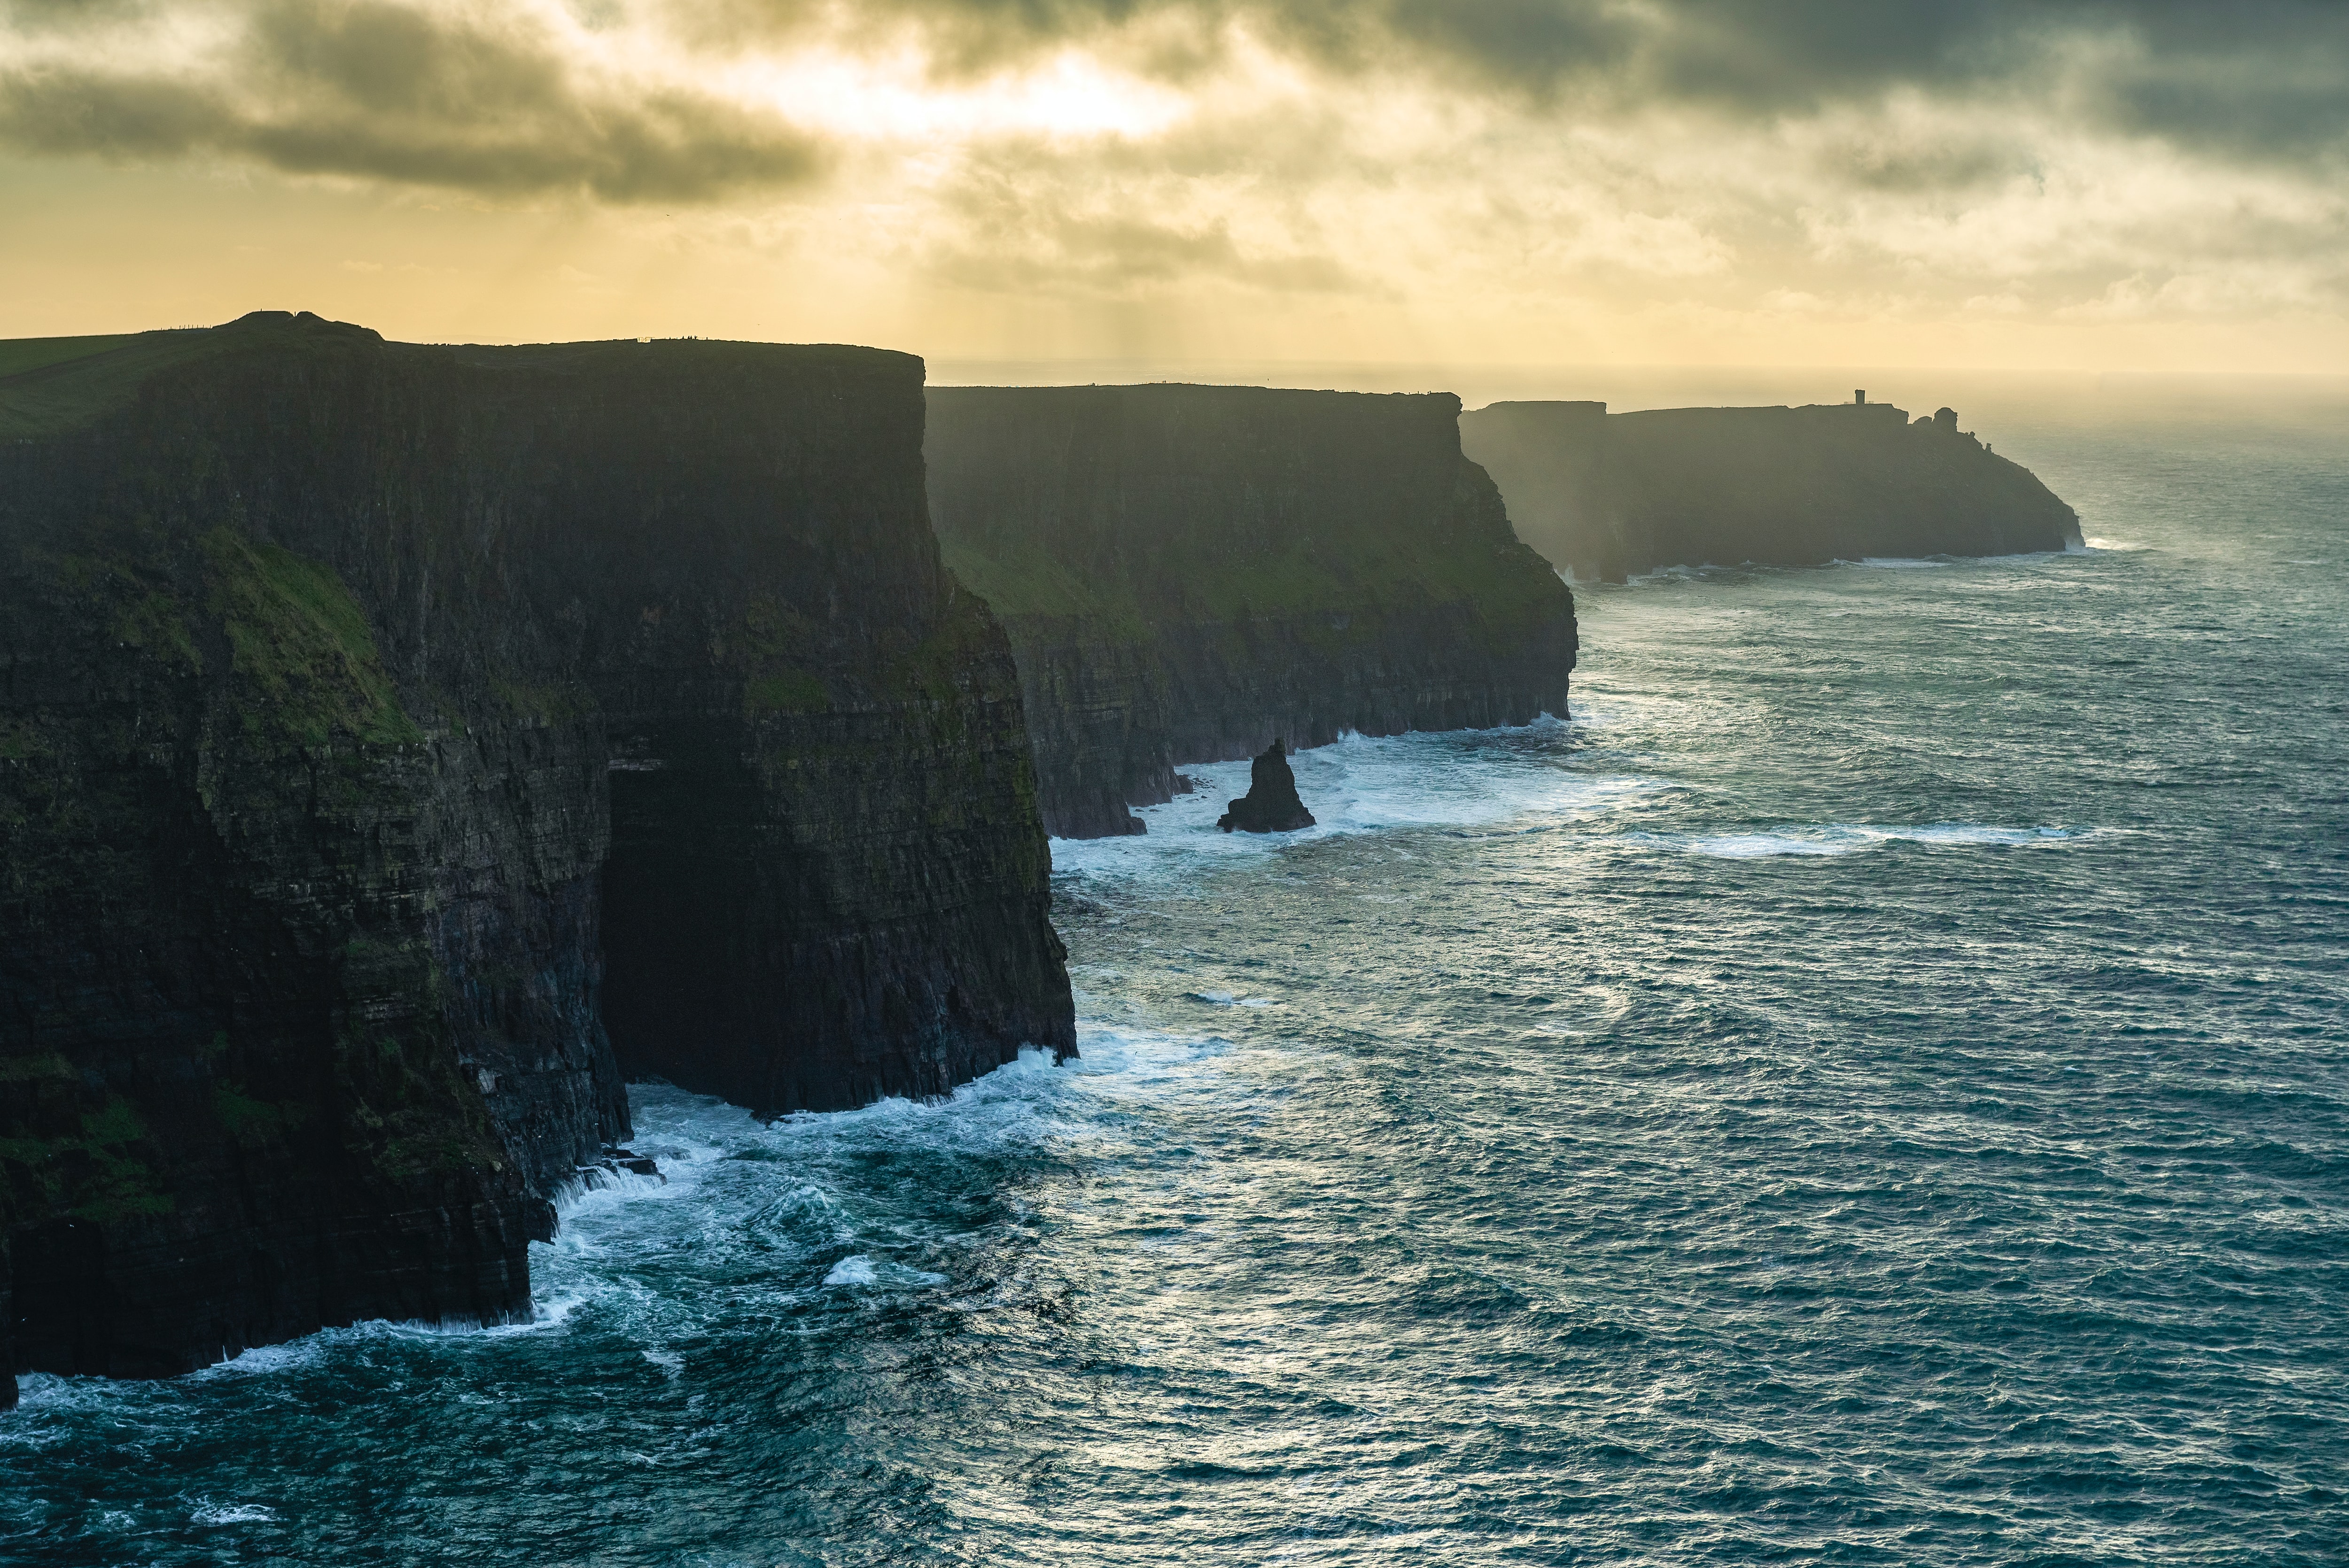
pixel 1182 392
pixel 50 385
pixel 600 353
pixel 21 354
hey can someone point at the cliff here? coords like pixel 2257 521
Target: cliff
pixel 1605 496
pixel 399 745
pixel 1190 572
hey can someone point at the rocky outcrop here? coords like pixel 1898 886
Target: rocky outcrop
pixel 1271 804
pixel 1606 496
pixel 399 745
pixel 1187 573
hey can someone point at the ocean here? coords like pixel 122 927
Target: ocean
pixel 1870 1087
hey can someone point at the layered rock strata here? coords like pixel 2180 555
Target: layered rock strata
pixel 1188 572
pixel 399 745
pixel 1610 495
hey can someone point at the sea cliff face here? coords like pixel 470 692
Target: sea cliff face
pixel 390 733
pixel 1188 573
pixel 1610 495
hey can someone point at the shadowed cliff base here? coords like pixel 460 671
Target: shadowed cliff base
pixel 380 721
pixel 1189 572
pixel 1610 496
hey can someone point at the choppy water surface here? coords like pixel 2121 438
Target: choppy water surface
pixel 1870 1090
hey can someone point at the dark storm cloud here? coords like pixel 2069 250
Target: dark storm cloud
pixel 385 91
pixel 2255 80
pixel 2255 77
pixel 2265 78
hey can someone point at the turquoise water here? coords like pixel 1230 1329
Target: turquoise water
pixel 1871 1089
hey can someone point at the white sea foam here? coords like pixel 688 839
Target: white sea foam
pixel 1929 562
pixel 1475 781
pixel 263 1361
pixel 312 1350
pixel 1850 838
pixel 51 1391
pixel 233 1513
pixel 597 1179
pixel 869 1271
pixel 735 1187
pixel 1747 846
pixel 2096 543
pixel 558 1298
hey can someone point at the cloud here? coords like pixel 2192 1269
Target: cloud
pixel 1113 254
pixel 394 92
pixel 2258 78
pixel 627 100
pixel 1521 159
pixel 1019 214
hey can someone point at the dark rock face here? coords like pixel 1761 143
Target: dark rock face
pixel 1271 805
pixel 1187 573
pixel 1606 496
pixel 380 725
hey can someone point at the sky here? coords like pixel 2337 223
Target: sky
pixel 2077 185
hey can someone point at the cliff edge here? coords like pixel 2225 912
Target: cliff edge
pixel 399 745
pixel 1189 572
pixel 1610 495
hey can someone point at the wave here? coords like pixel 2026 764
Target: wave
pixel 1851 838
pixel 860 1270
pixel 309 1352
pixel 2013 558
pixel 1673 574
pixel 592 1178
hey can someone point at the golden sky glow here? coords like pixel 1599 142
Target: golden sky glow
pixel 2098 186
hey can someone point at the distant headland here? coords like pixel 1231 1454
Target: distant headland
pixel 1607 496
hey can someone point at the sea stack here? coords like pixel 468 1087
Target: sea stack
pixel 1271 805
